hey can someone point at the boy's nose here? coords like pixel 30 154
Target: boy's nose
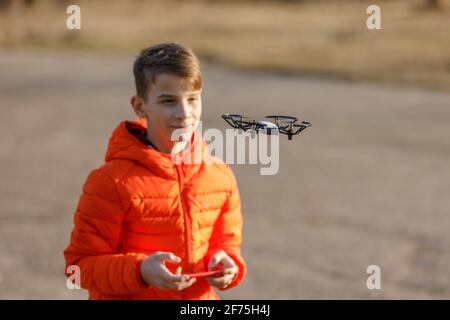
pixel 183 111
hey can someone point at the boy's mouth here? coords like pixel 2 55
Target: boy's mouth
pixel 184 126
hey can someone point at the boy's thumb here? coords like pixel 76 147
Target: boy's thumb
pixel 216 259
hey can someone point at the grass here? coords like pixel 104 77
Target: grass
pixel 299 37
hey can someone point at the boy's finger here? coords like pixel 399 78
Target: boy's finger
pixel 180 285
pixel 228 262
pixel 177 277
pixel 215 283
pixel 170 285
pixel 221 280
pixel 161 256
pixel 231 270
pixel 170 278
pixel 189 283
pixel 216 259
pixel 228 278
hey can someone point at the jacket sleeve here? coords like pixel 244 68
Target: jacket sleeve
pixel 95 239
pixel 227 233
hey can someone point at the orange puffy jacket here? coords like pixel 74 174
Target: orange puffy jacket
pixel 140 202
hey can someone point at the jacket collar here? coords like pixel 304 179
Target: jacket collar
pixel 126 143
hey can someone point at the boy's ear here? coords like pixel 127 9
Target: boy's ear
pixel 137 104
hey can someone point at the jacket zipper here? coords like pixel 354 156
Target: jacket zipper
pixel 187 221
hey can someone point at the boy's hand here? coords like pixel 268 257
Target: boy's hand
pixel 155 273
pixel 228 266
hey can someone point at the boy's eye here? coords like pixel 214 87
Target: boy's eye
pixel 167 101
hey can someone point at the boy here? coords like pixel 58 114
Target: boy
pixel 143 218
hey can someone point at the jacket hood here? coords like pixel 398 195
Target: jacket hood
pixel 124 144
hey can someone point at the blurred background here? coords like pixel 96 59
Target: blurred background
pixel 367 184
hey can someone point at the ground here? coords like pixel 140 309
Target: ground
pixel 367 184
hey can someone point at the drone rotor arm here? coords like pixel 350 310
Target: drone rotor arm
pixel 231 122
pixel 301 126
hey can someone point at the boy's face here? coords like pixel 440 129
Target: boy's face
pixel 171 105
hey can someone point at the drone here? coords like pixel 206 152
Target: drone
pixel 284 124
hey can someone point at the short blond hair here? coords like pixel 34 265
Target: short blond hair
pixel 170 58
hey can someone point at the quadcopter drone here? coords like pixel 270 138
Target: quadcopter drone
pixel 284 124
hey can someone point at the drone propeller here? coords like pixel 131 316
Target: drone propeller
pixel 237 122
pixel 281 120
pixel 294 129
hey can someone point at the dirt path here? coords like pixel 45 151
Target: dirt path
pixel 369 183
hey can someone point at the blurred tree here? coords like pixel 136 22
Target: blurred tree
pixel 433 4
pixel 5 4
pixel 65 3
pixel 29 3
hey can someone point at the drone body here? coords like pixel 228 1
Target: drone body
pixel 284 124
